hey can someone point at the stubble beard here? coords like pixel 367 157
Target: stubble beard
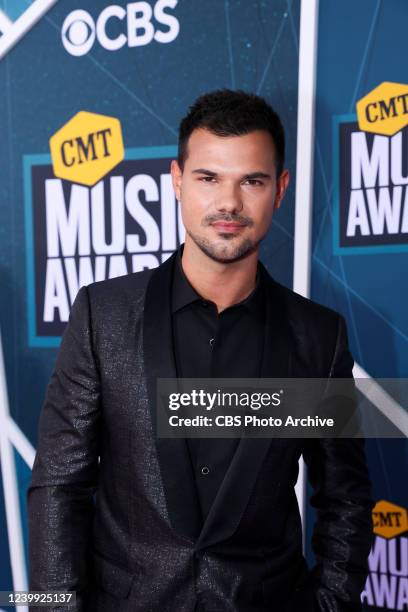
pixel 222 252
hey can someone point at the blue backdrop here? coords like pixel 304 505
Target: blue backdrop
pixel 252 45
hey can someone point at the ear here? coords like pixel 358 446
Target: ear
pixel 282 183
pixel 176 177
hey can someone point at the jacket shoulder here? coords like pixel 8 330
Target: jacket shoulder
pixel 319 334
pixel 121 286
pixel 305 310
pixel 309 320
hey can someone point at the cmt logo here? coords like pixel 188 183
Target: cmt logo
pixel 384 110
pixel 371 174
pixel 86 148
pixel 78 234
pixel 389 520
pixel 386 586
pixel 136 25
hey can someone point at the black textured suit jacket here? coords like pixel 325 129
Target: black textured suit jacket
pixel 113 511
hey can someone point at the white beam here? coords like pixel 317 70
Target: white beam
pixel 305 146
pixel 10 490
pixel 309 14
pixel 5 23
pixel 382 400
pixel 23 24
pixel 22 445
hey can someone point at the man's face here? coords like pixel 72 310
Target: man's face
pixel 228 191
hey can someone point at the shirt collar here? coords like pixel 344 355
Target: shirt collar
pixel 183 293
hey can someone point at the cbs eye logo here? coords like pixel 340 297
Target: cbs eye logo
pixel 140 21
pixel 78 32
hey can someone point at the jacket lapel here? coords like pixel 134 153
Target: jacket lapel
pixel 242 473
pixel 173 455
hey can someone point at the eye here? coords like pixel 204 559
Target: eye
pixel 207 179
pixel 254 182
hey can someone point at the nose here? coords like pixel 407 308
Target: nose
pixel 229 199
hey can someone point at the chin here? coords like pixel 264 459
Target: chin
pixel 224 250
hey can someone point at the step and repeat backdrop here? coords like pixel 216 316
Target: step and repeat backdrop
pixel 360 237
pixel 91 97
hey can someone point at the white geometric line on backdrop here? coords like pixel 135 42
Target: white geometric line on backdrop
pixel 378 396
pixel 13 31
pixel 10 489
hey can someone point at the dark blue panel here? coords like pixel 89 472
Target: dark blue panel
pixel 355 54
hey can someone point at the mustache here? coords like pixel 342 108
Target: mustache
pixel 231 218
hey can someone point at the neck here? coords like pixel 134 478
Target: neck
pixel 224 284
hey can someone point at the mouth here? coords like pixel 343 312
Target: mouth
pixel 227 226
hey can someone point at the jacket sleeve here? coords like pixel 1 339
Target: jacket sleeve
pixel 342 535
pixel 64 477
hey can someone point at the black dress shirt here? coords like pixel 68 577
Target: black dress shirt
pixel 211 345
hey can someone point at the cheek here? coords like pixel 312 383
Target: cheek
pixel 198 195
pixel 261 213
pixel 268 214
pixel 191 211
pixel 194 203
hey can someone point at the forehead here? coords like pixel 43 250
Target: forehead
pixel 251 152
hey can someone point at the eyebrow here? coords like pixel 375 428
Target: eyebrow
pixel 251 175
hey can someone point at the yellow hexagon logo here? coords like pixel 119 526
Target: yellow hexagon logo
pixel 384 110
pixel 86 148
pixel 389 520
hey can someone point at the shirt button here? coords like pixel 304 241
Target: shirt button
pixel 212 340
pixel 204 303
pixel 205 470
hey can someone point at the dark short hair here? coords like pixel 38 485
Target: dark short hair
pixel 232 113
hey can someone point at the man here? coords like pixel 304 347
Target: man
pixel 133 522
